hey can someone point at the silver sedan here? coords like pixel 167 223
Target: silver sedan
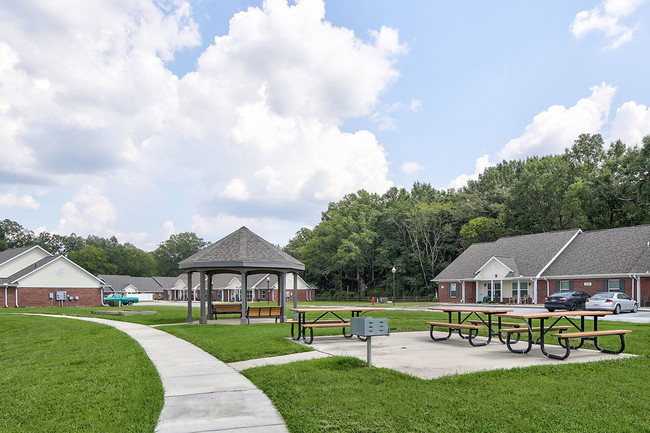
pixel 611 301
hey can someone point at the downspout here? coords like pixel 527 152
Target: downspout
pixel 17 297
pixel 6 304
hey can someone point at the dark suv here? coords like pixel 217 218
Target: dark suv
pixel 566 301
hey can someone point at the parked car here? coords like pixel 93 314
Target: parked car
pixel 566 301
pixel 117 300
pixel 612 301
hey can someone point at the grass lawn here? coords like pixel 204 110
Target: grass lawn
pixel 335 394
pixel 61 375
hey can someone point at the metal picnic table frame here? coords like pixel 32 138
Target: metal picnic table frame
pixel 543 330
pixel 302 318
pixel 473 312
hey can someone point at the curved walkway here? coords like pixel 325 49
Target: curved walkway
pixel 202 394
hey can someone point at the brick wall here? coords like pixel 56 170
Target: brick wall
pixel 39 297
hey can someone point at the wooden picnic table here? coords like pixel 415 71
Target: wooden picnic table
pixel 463 322
pixel 325 320
pixel 557 331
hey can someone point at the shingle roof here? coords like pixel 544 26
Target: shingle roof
pixel 26 270
pixel 241 249
pixel 605 252
pixel 527 254
pixel 13 252
pixel 143 284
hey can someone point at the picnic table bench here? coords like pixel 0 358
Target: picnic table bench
pixel 473 331
pixel 274 312
pixel 225 309
pixel 311 327
pixel 563 338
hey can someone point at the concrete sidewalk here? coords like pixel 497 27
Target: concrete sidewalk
pixel 202 394
pixel 415 353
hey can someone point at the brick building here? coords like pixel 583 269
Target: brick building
pixel 530 267
pixel 32 277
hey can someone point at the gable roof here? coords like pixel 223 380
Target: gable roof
pixel 12 279
pixel 241 249
pixel 7 255
pixel 623 250
pixel 120 282
pixel 525 254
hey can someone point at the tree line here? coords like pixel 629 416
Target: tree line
pixel 363 236
pixel 106 256
pixel 360 238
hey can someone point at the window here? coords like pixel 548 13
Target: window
pixel 497 291
pixel 523 289
pixel 263 294
pixel 565 286
pixel 614 285
pixel 453 290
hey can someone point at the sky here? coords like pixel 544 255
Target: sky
pixel 145 118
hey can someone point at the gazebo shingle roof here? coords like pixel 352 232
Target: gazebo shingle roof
pixel 241 249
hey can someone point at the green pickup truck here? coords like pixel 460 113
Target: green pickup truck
pixel 117 300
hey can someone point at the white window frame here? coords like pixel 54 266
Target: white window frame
pixel 453 290
pixel 617 283
pixel 568 286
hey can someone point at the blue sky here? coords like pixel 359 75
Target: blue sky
pixel 144 118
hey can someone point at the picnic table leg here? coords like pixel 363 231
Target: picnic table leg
pixel 541 344
pixel 441 338
pixel 530 339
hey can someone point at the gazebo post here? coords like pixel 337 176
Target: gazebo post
pixel 210 294
pixel 282 292
pixel 203 320
pixel 244 297
pixel 190 319
pixel 295 295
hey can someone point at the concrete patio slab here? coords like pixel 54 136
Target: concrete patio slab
pixel 416 354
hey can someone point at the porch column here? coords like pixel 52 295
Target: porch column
pixel 462 298
pixel 501 291
pixel 189 298
pixel 491 290
pixel 518 292
pixel 535 291
pixel 203 319
pixel 244 298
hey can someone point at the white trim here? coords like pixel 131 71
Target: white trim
pixel 26 251
pixel 488 261
pixel 558 253
pixel 57 258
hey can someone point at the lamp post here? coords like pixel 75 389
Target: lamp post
pixel 393 271
pixel 268 279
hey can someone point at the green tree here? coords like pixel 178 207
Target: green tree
pixel 93 259
pixel 175 249
pixel 14 235
pixel 480 229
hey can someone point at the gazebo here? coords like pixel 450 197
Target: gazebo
pixel 245 253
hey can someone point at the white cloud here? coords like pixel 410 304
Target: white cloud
pixel 415 104
pixel 410 167
pixel 89 212
pixel 15 199
pixel 214 228
pixel 481 164
pixel 257 122
pixel 631 124
pixel 556 128
pixel 168 229
pixel 606 18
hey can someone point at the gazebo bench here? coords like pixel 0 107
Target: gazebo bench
pixel 225 309
pixel 275 312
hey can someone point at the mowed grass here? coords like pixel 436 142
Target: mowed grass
pixel 62 375
pixel 343 395
pixel 164 314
